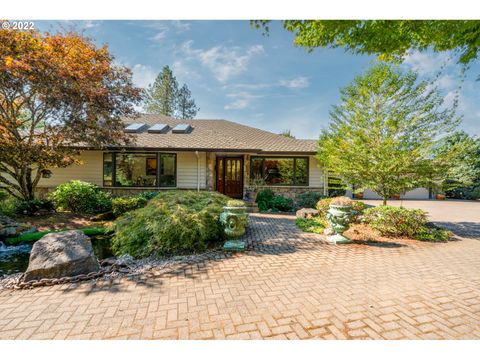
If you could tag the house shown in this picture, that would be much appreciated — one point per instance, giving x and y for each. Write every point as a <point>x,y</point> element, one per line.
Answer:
<point>197,154</point>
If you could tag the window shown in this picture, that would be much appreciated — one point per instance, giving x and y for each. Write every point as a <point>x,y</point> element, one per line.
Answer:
<point>290,171</point>
<point>139,170</point>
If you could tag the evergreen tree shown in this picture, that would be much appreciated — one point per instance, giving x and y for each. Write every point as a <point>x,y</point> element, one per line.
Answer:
<point>186,107</point>
<point>162,94</point>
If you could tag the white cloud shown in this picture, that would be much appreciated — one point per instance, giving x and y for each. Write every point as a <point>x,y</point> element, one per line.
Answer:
<point>88,24</point>
<point>296,83</point>
<point>427,64</point>
<point>224,62</point>
<point>183,71</point>
<point>180,26</point>
<point>143,75</point>
<point>241,100</point>
<point>159,36</point>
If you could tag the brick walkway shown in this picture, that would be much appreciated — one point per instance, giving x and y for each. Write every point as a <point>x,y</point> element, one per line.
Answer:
<point>291,285</point>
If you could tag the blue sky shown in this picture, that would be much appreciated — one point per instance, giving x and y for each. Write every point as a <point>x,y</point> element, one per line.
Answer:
<point>237,74</point>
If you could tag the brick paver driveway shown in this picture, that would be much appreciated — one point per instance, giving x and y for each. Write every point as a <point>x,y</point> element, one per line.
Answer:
<point>290,285</point>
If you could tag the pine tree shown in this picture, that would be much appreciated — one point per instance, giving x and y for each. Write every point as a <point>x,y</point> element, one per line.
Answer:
<point>162,94</point>
<point>186,107</point>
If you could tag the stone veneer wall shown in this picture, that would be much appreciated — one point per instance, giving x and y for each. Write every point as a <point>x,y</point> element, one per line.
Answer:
<point>287,191</point>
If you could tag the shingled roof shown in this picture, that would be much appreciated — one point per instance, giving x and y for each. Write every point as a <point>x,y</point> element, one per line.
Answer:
<point>215,135</point>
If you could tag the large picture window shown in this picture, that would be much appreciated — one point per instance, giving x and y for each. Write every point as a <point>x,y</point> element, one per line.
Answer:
<point>289,171</point>
<point>139,169</point>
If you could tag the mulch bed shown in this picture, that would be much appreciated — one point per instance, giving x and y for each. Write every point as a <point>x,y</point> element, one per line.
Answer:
<point>58,221</point>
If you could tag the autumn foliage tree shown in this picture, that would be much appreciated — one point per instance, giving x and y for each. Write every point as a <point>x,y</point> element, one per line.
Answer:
<point>57,91</point>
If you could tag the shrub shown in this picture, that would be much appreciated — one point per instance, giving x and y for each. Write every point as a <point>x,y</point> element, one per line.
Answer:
<point>281,203</point>
<point>121,205</point>
<point>313,225</point>
<point>82,197</point>
<point>396,221</point>
<point>149,195</point>
<point>4,195</point>
<point>307,200</point>
<point>30,207</point>
<point>236,203</point>
<point>173,222</point>
<point>8,204</point>
<point>322,206</point>
<point>433,234</point>
<point>264,198</point>
<point>341,201</point>
<point>268,201</point>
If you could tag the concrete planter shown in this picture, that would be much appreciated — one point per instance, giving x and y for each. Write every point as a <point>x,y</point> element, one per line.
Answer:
<point>339,217</point>
<point>234,220</point>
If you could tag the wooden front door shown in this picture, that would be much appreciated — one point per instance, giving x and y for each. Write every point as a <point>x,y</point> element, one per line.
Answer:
<point>230,176</point>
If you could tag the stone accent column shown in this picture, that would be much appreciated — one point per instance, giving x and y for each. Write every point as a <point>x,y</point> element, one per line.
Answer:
<point>210,171</point>
<point>246,173</point>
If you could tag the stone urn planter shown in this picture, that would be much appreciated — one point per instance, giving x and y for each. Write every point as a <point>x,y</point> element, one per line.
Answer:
<point>339,216</point>
<point>234,219</point>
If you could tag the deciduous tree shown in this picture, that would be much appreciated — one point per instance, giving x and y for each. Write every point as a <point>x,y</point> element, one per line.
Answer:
<point>56,91</point>
<point>382,135</point>
<point>389,39</point>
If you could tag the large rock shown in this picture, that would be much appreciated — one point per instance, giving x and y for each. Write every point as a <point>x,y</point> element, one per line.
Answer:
<point>307,213</point>
<point>11,228</point>
<point>66,253</point>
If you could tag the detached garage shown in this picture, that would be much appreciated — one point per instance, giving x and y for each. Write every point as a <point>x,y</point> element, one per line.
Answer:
<point>415,194</point>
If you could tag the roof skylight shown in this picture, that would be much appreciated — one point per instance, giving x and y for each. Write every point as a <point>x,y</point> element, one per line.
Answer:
<point>134,128</point>
<point>182,129</point>
<point>158,128</point>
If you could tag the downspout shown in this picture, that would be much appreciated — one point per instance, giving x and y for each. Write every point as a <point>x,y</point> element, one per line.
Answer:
<point>198,170</point>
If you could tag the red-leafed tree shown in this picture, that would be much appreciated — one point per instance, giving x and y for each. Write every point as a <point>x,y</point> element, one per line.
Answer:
<point>56,91</point>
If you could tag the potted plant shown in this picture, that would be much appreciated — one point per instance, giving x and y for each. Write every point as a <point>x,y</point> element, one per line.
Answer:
<point>440,196</point>
<point>234,219</point>
<point>396,197</point>
<point>339,216</point>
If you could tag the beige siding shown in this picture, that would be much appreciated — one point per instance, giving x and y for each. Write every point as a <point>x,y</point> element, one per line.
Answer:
<point>187,170</point>
<point>315,173</point>
<point>90,171</point>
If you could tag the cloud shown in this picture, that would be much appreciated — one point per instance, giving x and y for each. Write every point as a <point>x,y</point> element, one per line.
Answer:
<point>143,75</point>
<point>88,24</point>
<point>427,64</point>
<point>180,26</point>
<point>183,71</point>
<point>296,83</point>
<point>159,36</point>
<point>241,100</point>
<point>224,62</point>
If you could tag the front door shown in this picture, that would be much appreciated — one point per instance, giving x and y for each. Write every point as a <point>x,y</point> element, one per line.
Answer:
<point>230,176</point>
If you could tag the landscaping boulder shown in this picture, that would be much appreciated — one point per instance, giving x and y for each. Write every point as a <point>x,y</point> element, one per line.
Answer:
<point>307,213</point>
<point>11,228</point>
<point>66,253</point>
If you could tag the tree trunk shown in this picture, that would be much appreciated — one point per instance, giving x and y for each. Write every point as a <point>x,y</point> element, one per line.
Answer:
<point>384,201</point>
